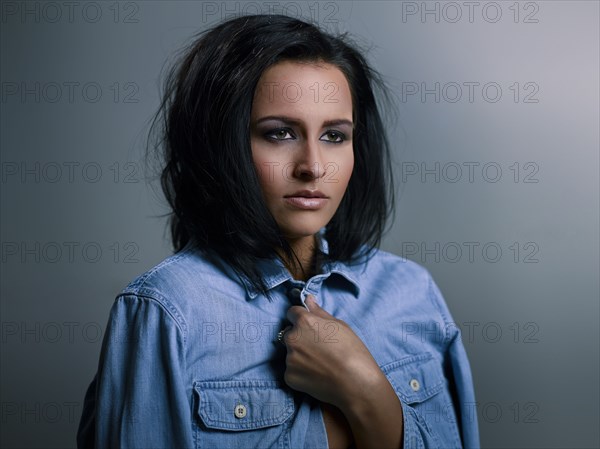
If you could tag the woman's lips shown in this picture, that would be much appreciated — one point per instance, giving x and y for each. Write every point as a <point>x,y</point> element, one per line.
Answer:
<point>302,202</point>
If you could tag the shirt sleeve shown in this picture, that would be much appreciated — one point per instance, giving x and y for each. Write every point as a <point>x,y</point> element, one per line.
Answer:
<point>417,432</point>
<point>138,398</point>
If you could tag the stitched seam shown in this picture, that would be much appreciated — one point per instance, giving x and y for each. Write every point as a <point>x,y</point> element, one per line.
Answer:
<point>167,307</point>
<point>139,283</point>
<point>427,393</point>
<point>203,389</point>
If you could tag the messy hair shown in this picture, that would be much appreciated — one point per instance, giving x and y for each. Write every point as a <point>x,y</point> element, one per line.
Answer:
<point>207,172</point>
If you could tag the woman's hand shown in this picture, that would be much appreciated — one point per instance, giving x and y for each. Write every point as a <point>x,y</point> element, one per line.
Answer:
<point>326,359</point>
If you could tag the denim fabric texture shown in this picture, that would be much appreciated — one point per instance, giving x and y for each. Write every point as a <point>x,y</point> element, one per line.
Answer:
<point>190,357</point>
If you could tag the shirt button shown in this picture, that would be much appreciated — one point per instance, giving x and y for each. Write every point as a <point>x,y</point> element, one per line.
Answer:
<point>295,293</point>
<point>240,411</point>
<point>415,385</point>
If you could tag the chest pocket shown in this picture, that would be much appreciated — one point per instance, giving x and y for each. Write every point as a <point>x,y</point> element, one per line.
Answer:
<point>244,413</point>
<point>419,382</point>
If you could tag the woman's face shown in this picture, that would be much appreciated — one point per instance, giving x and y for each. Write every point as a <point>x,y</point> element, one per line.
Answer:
<point>301,138</point>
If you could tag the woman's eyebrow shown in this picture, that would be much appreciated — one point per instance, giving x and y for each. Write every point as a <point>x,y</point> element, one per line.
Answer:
<point>291,121</point>
<point>338,122</point>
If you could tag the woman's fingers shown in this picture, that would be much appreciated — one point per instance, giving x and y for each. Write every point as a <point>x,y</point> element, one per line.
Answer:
<point>315,308</point>
<point>315,321</point>
<point>285,331</point>
<point>313,364</point>
<point>294,313</point>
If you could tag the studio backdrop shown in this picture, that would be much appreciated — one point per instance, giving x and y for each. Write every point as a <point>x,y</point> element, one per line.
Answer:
<point>495,147</point>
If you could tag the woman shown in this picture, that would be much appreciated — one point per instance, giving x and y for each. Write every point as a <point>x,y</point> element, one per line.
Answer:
<point>278,322</point>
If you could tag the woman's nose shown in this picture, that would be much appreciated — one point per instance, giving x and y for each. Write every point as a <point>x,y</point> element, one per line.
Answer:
<point>309,164</point>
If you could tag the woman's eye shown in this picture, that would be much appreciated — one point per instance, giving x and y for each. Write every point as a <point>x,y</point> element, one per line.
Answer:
<point>280,134</point>
<point>334,137</point>
<point>287,134</point>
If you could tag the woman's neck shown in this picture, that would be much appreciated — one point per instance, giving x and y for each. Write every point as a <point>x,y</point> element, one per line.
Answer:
<point>305,249</point>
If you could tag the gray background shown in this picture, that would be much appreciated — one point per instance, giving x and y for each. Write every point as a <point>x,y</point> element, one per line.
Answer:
<point>529,315</point>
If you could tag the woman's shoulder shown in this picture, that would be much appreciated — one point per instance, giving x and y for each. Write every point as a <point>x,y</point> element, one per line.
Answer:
<point>177,276</point>
<point>386,270</point>
<point>412,279</point>
<point>165,296</point>
<point>397,268</point>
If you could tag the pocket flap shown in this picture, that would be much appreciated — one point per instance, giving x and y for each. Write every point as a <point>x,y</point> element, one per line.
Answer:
<point>415,378</point>
<point>243,404</point>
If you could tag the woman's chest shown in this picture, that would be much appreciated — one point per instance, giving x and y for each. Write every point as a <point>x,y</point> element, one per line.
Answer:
<point>236,369</point>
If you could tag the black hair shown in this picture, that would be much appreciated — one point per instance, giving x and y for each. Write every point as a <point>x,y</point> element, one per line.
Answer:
<point>207,172</point>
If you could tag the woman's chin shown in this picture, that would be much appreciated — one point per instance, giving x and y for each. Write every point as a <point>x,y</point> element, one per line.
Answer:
<point>299,232</point>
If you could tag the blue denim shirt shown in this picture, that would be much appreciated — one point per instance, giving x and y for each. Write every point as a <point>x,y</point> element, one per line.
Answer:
<point>190,357</point>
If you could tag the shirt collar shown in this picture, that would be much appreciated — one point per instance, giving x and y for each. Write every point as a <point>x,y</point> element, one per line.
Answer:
<point>275,273</point>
